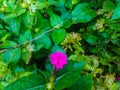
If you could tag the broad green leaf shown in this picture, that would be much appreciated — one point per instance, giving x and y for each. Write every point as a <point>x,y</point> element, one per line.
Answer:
<point>114,86</point>
<point>67,18</point>
<point>41,22</point>
<point>92,39</point>
<point>3,84</point>
<point>17,12</point>
<point>26,36</point>
<point>58,35</point>
<point>108,5</point>
<point>8,44</point>
<point>14,25</point>
<point>43,41</point>
<point>10,6</point>
<point>84,83</point>
<point>55,20</point>
<point>69,4</point>
<point>32,82</point>
<point>83,13</point>
<point>116,14</point>
<point>69,75</point>
<point>28,20</point>
<point>12,55</point>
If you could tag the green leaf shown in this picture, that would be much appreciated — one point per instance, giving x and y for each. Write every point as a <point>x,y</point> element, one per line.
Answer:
<point>114,86</point>
<point>32,82</point>
<point>28,20</point>
<point>57,48</point>
<point>12,55</point>
<point>43,41</point>
<point>84,83</point>
<point>56,20</point>
<point>1,27</point>
<point>118,2</point>
<point>58,35</point>
<point>115,26</point>
<point>116,14</point>
<point>116,50</point>
<point>67,17</point>
<point>17,12</point>
<point>69,4</point>
<point>26,55</point>
<point>92,39</point>
<point>69,75</point>
<point>8,44</point>
<point>26,36</point>
<point>3,35</point>
<point>41,22</point>
<point>108,5</point>
<point>41,5</point>
<point>14,25</point>
<point>83,13</point>
<point>10,6</point>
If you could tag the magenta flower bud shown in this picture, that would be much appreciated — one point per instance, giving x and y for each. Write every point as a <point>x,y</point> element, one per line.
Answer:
<point>58,59</point>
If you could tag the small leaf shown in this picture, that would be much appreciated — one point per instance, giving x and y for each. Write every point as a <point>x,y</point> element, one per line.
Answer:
<point>26,55</point>
<point>58,35</point>
<point>116,14</point>
<point>66,16</point>
<point>26,36</point>
<point>83,13</point>
<point>108,5</point>
<point>56,20</point>
<point>43,41</point>
<point>10,6</point>
<point>12,55</point>
<point>14,25</point>
<point>41,22</point>
<point>92,39</point>
<point>28,20</point>
<point>17,12</point>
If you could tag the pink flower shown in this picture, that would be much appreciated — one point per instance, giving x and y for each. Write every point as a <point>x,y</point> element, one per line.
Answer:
<point>58,59</point>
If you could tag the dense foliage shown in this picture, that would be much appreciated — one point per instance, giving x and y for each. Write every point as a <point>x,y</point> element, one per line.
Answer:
<point>88,31</point>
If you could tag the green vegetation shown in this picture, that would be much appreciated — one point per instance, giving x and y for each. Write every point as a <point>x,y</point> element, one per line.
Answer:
<point>88,31</point>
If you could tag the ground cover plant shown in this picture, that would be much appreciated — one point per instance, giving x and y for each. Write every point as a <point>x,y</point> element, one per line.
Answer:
<point>59,44</point>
